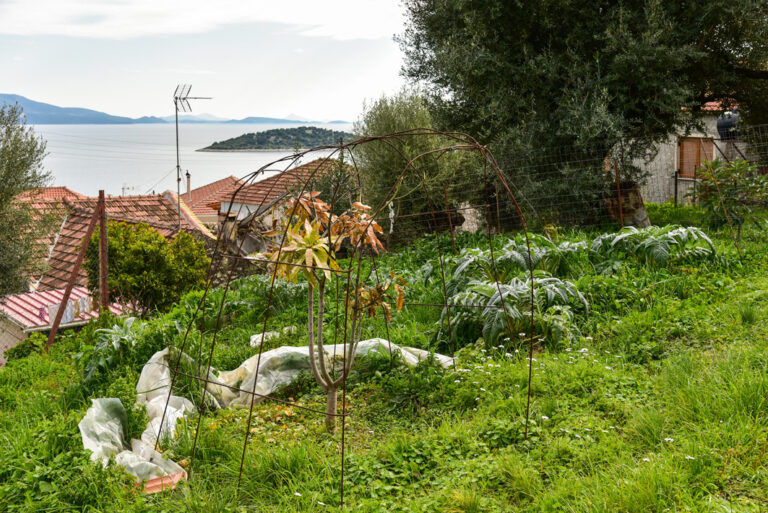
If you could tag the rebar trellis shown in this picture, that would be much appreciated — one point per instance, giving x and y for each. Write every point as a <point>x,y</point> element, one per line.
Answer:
<point>458,142</point>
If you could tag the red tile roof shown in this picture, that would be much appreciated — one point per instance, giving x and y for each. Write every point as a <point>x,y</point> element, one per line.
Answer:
<point>30,310</point>
<point>49,194</point>
<point>265,192</point>
<point>202,196</point>
<point>156,210</point>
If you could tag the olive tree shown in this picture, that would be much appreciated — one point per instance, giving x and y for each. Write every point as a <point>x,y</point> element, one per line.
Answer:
<point>23,230</point>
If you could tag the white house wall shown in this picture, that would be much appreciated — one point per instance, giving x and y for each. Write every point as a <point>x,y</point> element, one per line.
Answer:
<point>660,184</point>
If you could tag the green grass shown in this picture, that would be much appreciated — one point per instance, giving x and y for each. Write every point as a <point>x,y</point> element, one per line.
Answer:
<point>659,404</point>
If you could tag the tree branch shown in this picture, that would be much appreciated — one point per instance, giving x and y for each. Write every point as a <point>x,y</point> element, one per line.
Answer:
<point>320,315</point>
<point>311,334</point>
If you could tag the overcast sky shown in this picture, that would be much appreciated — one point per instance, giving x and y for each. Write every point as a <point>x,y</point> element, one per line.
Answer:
<point>317,59</point>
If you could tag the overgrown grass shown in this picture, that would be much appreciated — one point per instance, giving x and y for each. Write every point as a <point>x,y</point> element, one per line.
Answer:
<point>659,404</point>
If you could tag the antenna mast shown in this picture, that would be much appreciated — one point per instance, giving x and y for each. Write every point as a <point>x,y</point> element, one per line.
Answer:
<point>181,103</point>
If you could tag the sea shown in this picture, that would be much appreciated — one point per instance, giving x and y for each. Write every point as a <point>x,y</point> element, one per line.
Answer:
<point>141,158</point>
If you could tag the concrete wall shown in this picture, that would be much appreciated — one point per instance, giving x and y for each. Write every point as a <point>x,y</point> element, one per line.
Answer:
<point>660,184</point>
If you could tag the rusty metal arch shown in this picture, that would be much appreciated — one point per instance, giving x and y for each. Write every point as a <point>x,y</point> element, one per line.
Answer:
<point>458,141</point>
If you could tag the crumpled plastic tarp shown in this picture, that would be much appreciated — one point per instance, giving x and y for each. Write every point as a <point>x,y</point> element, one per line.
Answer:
<point>256,340</point>
<point>102,428</point>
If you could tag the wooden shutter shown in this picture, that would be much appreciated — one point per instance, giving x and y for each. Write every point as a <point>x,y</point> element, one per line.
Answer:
<point>692,151</point>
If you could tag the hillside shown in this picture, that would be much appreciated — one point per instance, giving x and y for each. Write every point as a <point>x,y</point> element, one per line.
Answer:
<point>39,113</point>
<point>654,401</point>
<point>281,139</point>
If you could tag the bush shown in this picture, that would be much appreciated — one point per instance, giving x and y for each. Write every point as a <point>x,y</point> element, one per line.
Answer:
<point>730,193</point>
<point>147,271</point>
<point>32,344</point>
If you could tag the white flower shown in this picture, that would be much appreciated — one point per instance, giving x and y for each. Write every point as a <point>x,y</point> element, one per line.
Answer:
<point>544,417</point>
<point>567,349</point>
<point>646,459</point>
<point>482,389</point>
<point>321,503</point>
<point>583,350</point>
<point>477,398</point>
<point>297,494</point>
<point>690,458</point>
<point>587,429</point>
<point>669,439</point>
<point>609,368</point>
<point>456,381</point>
<point>587,338</point>
<point>521,334</point>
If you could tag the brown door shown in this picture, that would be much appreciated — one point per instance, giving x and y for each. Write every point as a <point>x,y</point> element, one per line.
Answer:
<point>692,152</point>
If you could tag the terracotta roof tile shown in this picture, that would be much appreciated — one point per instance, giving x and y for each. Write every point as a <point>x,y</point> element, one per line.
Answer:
<point>157,210</point>
<point>49,194</point>
<point>265,192</point>
<point>202,196</point>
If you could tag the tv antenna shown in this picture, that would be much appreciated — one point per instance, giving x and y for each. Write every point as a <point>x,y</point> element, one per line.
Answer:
<point>181,99</point>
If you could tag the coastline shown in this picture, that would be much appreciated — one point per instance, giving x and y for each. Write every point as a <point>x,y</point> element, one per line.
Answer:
<point>253,150</point>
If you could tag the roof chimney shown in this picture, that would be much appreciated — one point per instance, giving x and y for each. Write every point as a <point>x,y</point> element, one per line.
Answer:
<point>189,187</point>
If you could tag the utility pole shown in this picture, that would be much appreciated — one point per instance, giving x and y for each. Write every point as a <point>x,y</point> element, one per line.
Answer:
<point>181,103</point>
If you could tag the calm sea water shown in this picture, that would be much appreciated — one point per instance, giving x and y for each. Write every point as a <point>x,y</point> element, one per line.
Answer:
<point>139,159</point>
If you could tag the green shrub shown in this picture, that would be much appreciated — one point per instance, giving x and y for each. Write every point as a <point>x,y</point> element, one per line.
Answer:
<point>34,343</point>
<point>146,271</point>
<point>731,193</point>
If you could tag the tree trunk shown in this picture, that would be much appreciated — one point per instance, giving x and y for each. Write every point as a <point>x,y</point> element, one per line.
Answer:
<point>330,410</point>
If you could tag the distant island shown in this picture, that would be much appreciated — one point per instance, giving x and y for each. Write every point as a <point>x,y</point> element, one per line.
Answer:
<point>39,113</point>
<point>281,139</point>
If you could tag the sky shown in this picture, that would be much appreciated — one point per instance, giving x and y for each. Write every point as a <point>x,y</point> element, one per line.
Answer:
<point>315,59</point>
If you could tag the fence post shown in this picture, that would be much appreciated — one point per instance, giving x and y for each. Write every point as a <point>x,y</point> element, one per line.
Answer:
<point>677,178</point>
<point>618,192</point>
<point>101,208</point>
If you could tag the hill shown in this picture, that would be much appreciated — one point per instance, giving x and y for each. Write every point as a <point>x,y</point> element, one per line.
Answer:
<point>661,391</point>
<point>281,139</point>
<point>39,113</point>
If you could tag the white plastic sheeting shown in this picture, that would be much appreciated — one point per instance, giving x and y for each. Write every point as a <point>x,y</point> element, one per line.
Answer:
<point>279,367</point>
<point>102,428</point>
<point>259,338</point>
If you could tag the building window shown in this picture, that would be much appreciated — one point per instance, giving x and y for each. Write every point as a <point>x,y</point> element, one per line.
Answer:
<point>692,151</point>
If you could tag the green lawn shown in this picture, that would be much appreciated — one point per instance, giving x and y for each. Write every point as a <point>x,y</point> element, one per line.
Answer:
<point>658,401</point>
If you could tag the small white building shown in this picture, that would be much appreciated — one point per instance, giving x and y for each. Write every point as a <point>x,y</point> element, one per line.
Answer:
<point>672,172</point>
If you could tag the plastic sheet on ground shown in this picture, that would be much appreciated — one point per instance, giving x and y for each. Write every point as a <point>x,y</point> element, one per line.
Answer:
<point>102,428</point>
<point>259,338</point>
<point>103,433</point>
